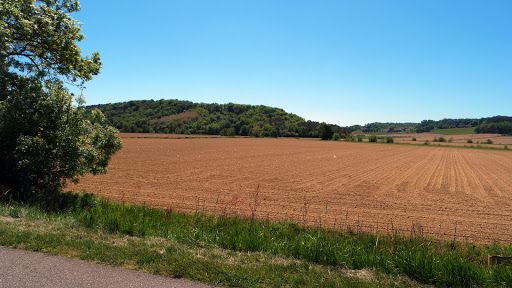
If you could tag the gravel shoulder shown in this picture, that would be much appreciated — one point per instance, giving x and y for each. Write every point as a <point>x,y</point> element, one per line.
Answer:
<point>20,268</point>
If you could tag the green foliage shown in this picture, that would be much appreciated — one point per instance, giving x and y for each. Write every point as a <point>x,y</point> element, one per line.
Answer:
<point>360,138</point>
<point>440,263</point>
<point>497,124</point>
<point>372,138</point>
<point>470,141</point>
<point>184,117</point>
<point>439,139</point>
<point>378,127</point>
<point>389,139</point>
<point>40,38</point>
<point>46,139</point>
<point>325,131</point>
<point>62,234</point>
<point>430,125</point>
<point>336,136</point>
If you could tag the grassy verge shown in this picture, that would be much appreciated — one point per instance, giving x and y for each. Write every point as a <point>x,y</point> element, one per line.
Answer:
<point>64,234</point>
<point>255,253</point>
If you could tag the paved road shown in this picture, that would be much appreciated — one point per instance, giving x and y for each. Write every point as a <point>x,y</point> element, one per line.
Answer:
<point>29,269</point>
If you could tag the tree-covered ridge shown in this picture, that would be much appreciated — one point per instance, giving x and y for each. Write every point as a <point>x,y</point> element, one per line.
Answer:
<point>496,124</point>
<point>379,127</point>
<point>185,117</point>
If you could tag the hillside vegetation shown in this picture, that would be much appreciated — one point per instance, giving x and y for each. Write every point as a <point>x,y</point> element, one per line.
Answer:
<point>496,124</point>
<point>185,117</point>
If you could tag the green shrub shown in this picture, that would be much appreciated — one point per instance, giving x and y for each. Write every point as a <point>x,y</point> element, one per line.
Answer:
<point>360,138</point>
<point>372,138</point>
<point>325,131</point>
<point>46,137</point>
<point>390,139</point>
<point>469,141</point>
<point>336,137</point>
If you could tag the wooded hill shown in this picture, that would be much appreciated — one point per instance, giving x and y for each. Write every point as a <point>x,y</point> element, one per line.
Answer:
<point>185,117</point>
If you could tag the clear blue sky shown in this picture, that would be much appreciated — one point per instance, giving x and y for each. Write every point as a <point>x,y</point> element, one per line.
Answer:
<point>343,62</point>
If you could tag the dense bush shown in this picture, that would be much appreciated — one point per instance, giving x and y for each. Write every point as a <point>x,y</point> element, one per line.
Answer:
<point>336,137</point>
<point>504,127</point>
<point>46,139</point>
<point>372,138</point>
<point>390,139</point>
<point>325,131</point>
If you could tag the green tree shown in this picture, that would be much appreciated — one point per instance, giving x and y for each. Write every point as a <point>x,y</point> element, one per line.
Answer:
<point>325,131</point>
<point>47,137</point>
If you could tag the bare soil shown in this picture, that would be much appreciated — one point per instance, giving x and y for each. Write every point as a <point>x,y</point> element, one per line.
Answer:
<point>443,192</point>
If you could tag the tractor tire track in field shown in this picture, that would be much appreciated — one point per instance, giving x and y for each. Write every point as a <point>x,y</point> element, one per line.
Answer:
<point>372,187</point>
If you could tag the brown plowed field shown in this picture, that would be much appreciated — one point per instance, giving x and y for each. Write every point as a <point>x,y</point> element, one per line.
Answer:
<point>445,192</point>
<point>457,140</point>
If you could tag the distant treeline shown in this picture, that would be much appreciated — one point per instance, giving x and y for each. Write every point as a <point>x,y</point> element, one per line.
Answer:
<point>379,127</point>
<point>496,124</point>
<point>185,117</point>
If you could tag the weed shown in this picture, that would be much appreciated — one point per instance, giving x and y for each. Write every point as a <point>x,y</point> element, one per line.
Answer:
<point>425,260</point>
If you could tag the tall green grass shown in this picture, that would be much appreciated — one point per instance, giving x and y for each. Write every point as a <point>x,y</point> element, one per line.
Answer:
<point>439,263</point>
